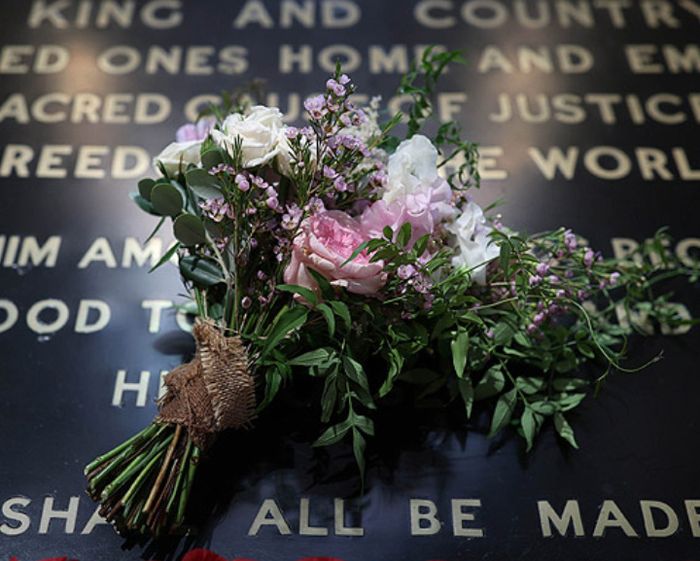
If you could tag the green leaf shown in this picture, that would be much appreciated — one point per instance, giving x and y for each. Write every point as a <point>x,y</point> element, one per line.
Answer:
<point>155,230</point>
<point>466,390</point>
<point>460,346</point>
<point>201,271</point>
<point>323,283</point>
<point>420,246</point>
<point>503,412</point>
<point>585,349</point>
<point>505,256</point>
<point>445,322</point>
<point>342,311</point>
<point>273,380</point>
<point>166,199</point>
<point>145,188</point>
<point>491,384</point>
<point>564,429</point>
<point>502,333</point>
<point>166,256</point>
<point>404,235</point>
<point>189,230</point>
<point>522,339</point>
<point>333,434</point>
<point>217,229</point>
<point>546,408</point>
<point>359,249</point>
<point>530,385</point>
<point>355,372</point>
<point>203,184</point>
<point>327,312</point>
<point>527,423</point>
<point>211,158</point>
<point>358,448</point>
<point>569,384</point>
<point>284,324</point>
<point>396,362</point>
<point>302,291</point>
<point>315,357</point>
<point>365,424</point>
<point>143,204</point>
<point>329,396</point>
<point>388,233</point>
<point>571,401</point>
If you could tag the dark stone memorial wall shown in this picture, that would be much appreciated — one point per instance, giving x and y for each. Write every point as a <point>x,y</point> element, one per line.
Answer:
<point>588,115</point>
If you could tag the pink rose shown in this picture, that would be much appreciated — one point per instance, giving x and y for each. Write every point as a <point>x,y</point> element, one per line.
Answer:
<point>325,242</point>
<point>424,208</point>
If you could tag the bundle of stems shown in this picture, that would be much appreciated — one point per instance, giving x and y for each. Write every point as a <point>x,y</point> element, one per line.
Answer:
<point>144,483</point>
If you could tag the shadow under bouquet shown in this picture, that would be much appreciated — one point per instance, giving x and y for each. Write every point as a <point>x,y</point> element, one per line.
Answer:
<point>340,249</point>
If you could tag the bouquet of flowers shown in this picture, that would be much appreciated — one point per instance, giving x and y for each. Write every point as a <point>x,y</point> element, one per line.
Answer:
<point>346,253</point>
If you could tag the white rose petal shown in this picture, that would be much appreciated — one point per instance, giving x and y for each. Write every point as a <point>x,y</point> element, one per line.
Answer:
<point>472,243</point>
<point>178,154</point>
<point>412,165</point>
<point>259,133</point>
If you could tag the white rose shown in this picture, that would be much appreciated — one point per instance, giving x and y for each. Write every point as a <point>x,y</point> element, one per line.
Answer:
<point>472,243</point>
<point>413,165</point>
<point>177,155</point>
<point>412,171</point>
<point>259,133</point>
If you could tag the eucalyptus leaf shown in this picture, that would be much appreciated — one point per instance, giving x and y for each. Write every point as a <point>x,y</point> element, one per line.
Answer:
<point>189,230</point>
<point>166,199</point>
<point>143,204</point>
<point>200,271</point>
<point>211,158</point>
<point>145,188</point>
<point>203,184</point>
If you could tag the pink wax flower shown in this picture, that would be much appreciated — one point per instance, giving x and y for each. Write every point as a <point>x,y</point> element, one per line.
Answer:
<point>195,131</point>
<point>325,242</point>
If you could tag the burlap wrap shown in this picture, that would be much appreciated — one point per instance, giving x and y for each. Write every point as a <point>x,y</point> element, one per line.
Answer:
<point>213,392</point>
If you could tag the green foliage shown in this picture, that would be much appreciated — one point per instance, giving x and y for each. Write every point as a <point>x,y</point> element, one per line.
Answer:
<point>434,333</point>
<point>166,199</point>
<point>420,83</point>
<point>189,230</point>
